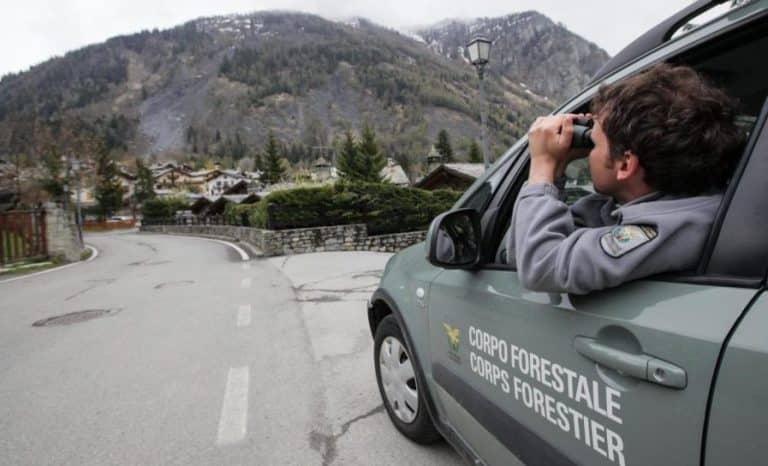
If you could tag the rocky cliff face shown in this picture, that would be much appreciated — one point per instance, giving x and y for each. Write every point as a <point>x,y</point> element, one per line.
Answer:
<point>220,85</point>
<point>528,48</point>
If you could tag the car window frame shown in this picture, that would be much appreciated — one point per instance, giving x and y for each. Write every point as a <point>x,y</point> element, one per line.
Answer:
<point>670,51</point>
<point>734,212</point>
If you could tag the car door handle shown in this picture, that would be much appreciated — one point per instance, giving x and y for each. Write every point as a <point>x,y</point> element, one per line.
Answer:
<point>641,366</point>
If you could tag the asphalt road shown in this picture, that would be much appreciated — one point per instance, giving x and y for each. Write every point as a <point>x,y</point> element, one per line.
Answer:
<point>186,354</point>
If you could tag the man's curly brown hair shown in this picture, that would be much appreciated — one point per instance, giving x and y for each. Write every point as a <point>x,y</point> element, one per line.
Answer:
<point>680,127</point>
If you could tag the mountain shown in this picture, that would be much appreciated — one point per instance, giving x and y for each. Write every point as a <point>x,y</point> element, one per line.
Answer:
<point>528,48</point>
<point>217,86</point>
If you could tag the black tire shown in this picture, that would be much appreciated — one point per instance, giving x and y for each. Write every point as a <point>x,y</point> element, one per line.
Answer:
<point>420,429</point>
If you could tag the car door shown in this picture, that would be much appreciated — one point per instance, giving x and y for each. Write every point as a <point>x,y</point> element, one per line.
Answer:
<point>616,377</point>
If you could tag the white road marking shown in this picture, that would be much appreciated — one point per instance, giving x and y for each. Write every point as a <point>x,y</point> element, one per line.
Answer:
<point>243,255</point>
<point>246,265</point>
<point>246,282</point>
<point>234,411</point>
<point>95,252</point>
<point>244,315</point>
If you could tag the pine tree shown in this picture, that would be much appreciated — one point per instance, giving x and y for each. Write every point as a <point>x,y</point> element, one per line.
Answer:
<point>371,160</point>
<point>475,156</point>
<point>109,192</point>
<point>443,146</point>
<point>273,169</point>
<point>348,160</point>
<point>145,185</point>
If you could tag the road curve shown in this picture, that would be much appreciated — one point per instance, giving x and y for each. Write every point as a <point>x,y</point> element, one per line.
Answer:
<point>200,358</point>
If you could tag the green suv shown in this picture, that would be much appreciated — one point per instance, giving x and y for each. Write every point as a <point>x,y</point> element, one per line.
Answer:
<point>668,370</point>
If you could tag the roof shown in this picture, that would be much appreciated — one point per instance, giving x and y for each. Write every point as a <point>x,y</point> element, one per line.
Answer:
<point>229,173</point>
<point>321,162</point>
<point>237,173</point>
<point>240,187</point>
<point>242,198</point>
<point>202,172</point>
<point>475,170</point>
<point>394,173</point>
<point>467,172</point>
<point>165,171</point>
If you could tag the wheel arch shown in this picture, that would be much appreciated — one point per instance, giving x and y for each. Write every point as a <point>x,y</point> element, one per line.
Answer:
<point>380,306</point>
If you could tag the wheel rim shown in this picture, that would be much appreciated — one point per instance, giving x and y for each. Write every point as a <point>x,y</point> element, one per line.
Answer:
<point>398,379</point>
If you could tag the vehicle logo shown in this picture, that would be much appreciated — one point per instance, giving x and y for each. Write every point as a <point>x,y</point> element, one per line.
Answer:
<point>454,339</point>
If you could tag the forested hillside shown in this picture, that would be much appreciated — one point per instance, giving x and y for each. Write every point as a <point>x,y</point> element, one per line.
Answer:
<point>215,87</point>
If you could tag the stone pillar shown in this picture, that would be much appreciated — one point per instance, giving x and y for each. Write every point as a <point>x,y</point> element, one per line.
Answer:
<point>61,233</point>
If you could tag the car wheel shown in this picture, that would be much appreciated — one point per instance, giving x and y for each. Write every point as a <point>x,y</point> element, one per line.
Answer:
<point>399,384</point>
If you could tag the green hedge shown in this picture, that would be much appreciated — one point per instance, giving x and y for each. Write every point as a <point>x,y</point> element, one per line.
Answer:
<point>384,208</point>
<point>165,208</point>
<point>241,214</point>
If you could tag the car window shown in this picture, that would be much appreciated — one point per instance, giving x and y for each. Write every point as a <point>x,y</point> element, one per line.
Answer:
<point>578,182</point>
<point>481,194</point>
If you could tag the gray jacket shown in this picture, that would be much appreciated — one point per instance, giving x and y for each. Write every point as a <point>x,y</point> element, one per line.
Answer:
<point>597,244</point>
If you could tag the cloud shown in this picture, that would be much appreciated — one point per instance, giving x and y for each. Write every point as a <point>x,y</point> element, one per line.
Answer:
<point>35,30</point>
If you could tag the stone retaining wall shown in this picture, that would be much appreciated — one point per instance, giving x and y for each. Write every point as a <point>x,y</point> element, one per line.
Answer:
<point>300,240</point>
<point>61,233</point>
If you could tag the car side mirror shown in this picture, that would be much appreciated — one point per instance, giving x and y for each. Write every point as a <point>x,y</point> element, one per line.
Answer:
<point>453,240</point>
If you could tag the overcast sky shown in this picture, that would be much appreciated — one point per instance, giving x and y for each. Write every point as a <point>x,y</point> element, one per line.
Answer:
<point>34,30</point>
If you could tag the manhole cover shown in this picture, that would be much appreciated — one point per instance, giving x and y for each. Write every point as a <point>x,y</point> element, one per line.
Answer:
<point>75,317</point>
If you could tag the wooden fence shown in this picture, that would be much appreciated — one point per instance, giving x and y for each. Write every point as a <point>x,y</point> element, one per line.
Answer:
<point>22,236</point>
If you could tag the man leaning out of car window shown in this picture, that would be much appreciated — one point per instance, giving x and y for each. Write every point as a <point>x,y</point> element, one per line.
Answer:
<point>665,144</point>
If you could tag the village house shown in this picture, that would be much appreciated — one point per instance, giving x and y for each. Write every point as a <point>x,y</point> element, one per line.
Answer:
<point>220,181</point>
<point>127,182</point>
<point>456,176</point>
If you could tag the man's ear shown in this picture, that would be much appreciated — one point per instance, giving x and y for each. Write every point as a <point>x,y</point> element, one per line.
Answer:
<point>628,166</point>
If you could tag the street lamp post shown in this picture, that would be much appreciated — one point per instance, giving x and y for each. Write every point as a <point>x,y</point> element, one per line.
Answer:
<point>79,216</point>
<point>65,161</point>
<point>479,52</point>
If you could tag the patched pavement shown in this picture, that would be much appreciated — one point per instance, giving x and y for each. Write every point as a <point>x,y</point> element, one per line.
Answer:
<point>332,288</point>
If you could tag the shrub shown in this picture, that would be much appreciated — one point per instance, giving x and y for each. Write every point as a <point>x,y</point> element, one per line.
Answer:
<point>384,208</point>
<point>240,214</point>
<point>162,208</point>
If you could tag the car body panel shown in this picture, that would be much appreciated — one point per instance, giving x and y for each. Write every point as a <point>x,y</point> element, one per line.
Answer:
<point>738,421</point>
<point>649,317</point>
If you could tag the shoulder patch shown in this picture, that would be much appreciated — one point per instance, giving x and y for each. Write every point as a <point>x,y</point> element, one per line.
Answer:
<point>624,238</point>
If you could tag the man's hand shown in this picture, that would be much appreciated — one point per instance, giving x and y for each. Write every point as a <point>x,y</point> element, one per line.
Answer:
<point>549,141</point>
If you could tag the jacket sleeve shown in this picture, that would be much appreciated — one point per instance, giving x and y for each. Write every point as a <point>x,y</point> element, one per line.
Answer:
<point>554,255</point>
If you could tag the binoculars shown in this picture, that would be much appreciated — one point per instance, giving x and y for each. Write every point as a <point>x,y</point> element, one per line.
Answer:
<point>582,134</point>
